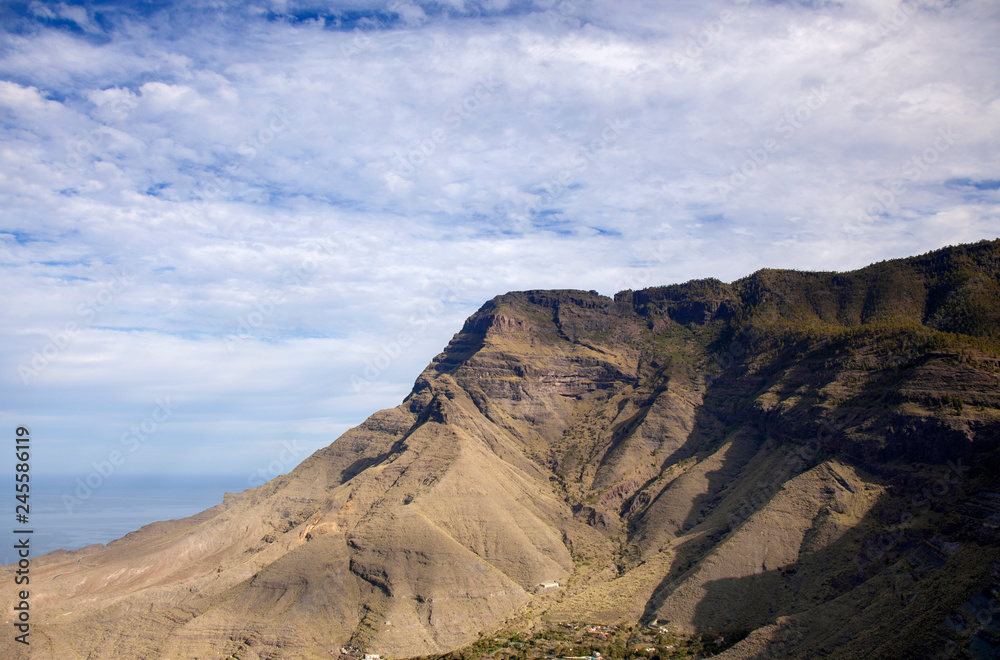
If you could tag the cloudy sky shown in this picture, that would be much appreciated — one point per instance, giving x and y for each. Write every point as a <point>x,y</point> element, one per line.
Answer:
<point>230,228</point>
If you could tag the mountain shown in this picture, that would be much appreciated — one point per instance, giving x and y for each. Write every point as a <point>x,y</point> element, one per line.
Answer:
<point>795,464</point>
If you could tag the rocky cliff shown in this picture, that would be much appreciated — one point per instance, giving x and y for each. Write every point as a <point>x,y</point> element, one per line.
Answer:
<point>803,464</point>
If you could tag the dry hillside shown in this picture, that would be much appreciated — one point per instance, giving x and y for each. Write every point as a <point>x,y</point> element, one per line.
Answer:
<point>794,465</point>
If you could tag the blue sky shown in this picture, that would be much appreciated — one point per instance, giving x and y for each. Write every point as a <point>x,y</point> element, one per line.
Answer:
<point>245,224</point>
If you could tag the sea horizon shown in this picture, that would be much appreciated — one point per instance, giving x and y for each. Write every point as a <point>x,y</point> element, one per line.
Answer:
<point>66,515</point>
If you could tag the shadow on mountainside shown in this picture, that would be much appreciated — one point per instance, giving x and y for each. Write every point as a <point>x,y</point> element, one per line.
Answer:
<point>706,442</point>
<point>691,552</point>
<point>876,576</point>
<point>746,443</point>
<point>816,577</point>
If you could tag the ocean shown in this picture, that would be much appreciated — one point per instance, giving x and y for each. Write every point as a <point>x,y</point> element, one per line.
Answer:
<point>121,504</point>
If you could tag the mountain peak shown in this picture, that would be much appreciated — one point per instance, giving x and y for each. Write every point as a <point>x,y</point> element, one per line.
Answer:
<point>781,456</point>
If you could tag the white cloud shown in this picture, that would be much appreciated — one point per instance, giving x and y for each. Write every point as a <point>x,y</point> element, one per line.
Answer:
<point>467,150</point>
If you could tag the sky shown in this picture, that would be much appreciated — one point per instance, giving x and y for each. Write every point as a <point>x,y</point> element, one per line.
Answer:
<point>230,231</point>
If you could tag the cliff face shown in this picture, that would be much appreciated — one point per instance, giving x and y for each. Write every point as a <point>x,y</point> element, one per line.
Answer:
<point>810,458</point>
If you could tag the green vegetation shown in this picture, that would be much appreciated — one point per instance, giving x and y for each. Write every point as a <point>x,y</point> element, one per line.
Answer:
<point>954,290</point>
<point>581,640</point>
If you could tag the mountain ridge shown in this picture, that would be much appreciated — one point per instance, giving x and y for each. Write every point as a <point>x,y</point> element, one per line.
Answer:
<point>662,455</point>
